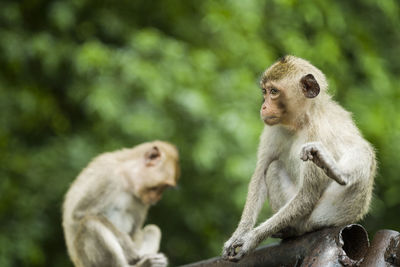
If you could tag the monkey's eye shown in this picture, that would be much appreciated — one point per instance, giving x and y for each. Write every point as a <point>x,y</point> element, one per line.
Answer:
<point>263,91</point>
<point>274,91</point>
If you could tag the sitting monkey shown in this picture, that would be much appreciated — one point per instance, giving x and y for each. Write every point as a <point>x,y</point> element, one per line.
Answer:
<point>314,166</point>
<point>106,206</point>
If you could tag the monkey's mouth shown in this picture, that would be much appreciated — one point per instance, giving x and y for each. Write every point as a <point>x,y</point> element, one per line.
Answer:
<point>270,117</point>
<point>270,120</point>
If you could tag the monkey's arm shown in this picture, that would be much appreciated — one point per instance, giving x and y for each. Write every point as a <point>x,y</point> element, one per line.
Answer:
<point>268,151</point>
<point>321,157</point>
<point>99,242</point>
<point>103,189</point>
<point>300,205</point>
<point>256,196</point>
<point>257,193</point>
<point>147,241</point>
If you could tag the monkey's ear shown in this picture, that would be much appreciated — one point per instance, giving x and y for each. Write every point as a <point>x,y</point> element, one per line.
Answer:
<point>152,156</point>
<point>310,86</point>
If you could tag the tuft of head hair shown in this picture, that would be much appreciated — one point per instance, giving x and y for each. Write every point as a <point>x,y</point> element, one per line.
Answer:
<point>292,67</point>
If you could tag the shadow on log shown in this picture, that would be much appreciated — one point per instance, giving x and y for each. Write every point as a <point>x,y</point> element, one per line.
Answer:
<point>339,246</point>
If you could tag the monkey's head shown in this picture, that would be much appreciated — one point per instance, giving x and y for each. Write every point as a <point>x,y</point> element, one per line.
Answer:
<point>288,87</point>
<point>153,168</point>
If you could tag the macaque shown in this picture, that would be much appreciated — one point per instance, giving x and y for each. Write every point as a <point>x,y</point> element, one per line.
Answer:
<point>106,206</point>
<point>313,165</point>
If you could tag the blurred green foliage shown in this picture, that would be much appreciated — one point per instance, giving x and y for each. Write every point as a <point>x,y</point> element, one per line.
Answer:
<point>81,77</point>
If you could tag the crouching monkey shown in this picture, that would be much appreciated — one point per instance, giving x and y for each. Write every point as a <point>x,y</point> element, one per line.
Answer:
<point>105,208</point>
<point>313,165</point>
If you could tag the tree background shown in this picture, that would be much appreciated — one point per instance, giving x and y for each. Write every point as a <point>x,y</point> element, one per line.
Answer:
<point>81,77</point>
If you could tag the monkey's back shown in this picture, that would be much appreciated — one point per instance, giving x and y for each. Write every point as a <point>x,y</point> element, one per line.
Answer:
<point>82,187</point>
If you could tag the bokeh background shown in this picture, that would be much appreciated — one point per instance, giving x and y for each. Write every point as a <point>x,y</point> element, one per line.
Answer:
<point>80,77</point>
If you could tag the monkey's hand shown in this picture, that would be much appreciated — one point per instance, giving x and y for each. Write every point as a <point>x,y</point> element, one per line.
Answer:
<point>228,244</point>
<point>153,260</point>
<point>227,247</point>
<point>317,153</point>
<point>236,249</point>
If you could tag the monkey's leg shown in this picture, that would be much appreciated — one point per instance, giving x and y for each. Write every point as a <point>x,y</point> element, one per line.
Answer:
<point>256,196</point>
<point>132,254</point>
<point>317,153</point>
<point>147,242</point>
<point>98,245</point>
<point>300,205</point>
<point>150,239</point>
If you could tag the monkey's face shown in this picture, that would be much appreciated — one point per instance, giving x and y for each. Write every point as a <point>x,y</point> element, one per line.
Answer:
<point>273,108</point>
<point>159,171</point>
<point>286,86</point>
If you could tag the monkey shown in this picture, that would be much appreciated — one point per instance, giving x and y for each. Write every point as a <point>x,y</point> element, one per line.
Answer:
<point>313,165</point>
<point>105,207</point>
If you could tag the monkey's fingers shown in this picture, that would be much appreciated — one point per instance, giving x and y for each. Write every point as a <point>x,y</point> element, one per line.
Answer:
<point>231,252</point>
<point>154,260</point>
<point>159,257</point>
<point>306,155</point>
<point>225,253</point>
<point>303,155</point>
<point>159,262</point>
<point>238,256</point>
<point>234,251</point>
<point>228,252</point>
